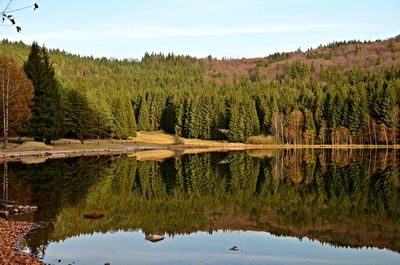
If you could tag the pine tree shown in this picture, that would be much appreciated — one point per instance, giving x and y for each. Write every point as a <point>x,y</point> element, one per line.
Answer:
<point>143,122</point>
<point>309,126</point>
<point>250,117</point>
<point>353,119</point>
<point>124,117</point>
<point>194,116</point>
<point>205,108</point>
<point>383,114</point>
<point>236,132</point>
<point>169,115</point>
<point>81,115</point>
<point>46,121</point>
<point>104,121</point>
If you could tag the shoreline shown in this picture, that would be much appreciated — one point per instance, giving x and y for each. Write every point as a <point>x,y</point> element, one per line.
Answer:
<point>63,152</point>
<point>10,235</point>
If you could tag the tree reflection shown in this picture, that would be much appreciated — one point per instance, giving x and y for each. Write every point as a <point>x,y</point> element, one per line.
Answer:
<point>343,197</point>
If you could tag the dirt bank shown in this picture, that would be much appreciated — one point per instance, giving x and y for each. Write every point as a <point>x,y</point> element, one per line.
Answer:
<point>146,141</point>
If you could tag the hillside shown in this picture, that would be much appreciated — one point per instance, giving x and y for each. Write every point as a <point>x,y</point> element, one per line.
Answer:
<point>344,55</point>
<point>340,93</point>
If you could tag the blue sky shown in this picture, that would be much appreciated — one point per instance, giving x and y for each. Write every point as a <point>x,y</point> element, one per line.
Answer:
<point>222,28</point>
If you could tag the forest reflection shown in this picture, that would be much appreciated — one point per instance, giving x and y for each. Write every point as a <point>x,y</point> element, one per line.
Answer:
<point>341,197</point>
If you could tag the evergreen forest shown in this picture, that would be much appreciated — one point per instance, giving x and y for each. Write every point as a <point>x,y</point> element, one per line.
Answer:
<point>340,93</point>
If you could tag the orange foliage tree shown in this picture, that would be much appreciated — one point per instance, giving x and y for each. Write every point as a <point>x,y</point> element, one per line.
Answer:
<point>16,92</point>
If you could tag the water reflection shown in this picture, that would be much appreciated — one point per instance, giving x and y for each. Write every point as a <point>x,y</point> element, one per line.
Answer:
<point>256,248</point>
<point>341,197</point>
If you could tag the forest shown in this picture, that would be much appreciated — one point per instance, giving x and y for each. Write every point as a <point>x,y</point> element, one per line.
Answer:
<point>340,93</point>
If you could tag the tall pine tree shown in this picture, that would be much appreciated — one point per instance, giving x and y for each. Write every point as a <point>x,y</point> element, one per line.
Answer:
<point>46,120</point>
<point>143,122</point>
<point>81,115</point>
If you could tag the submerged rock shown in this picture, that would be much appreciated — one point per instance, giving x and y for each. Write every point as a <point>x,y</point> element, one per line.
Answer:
<point>154,238</point>
<point>93,216</point>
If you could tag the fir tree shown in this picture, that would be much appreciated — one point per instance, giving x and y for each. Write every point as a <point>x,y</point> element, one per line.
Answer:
<point>124,117</point>
<point>81,115</point>
<point>383,113</point>
<point>143,122</point>
<point>353,105</point>
<point>46,121</point>
<point>168,116</point>
<point>309,126</point>
<point>236,132</point>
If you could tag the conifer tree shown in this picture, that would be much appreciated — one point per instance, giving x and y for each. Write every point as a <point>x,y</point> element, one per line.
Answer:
<point>383,108</point>
<point>46,121</point>
<point>81,115</point>
<point>124,117</point>
<point>168,116</point>
<point>249,113</point>
<point>309,126</point>
<point>353,106</point>
<point>236,132</point>
<point>205,106</point>
<point>143,122</point>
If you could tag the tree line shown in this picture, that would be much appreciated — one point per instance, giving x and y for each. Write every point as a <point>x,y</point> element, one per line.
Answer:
<point>84,97</point>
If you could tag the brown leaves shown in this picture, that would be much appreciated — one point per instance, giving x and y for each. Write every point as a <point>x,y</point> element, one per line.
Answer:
<point>10,233</point>
<point>20,91</point>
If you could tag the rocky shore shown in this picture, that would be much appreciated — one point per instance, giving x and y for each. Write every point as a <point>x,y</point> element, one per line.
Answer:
<point>10,234</point>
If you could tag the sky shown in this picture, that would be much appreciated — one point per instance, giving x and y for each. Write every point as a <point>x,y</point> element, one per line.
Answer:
<point>221,28</point>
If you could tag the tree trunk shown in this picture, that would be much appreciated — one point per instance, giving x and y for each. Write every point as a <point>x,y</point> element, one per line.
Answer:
<point>81,138</point>
<point>5,93</point>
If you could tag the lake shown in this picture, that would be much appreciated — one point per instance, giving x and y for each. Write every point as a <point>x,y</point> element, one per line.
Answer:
<point>295,206</point>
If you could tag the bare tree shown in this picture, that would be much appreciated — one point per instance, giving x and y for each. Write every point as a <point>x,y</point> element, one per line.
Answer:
<point>9,8</point>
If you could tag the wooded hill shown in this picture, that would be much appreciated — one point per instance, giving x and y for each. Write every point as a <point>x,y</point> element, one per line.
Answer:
<point>340,93</point>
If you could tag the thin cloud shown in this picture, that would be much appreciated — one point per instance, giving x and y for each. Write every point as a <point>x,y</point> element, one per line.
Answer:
<point>147,32</point>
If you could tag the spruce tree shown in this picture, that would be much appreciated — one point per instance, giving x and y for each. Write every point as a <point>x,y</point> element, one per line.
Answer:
<point>383,114</point>
<point>250,117</point>
<point>353,105</point>
<point>143,122</point>
<point>124,117</point>
<point>81,115</point>
<point>168,116</point>
<point>46,120</point>
<point>236,132</point>
<point>205,108</point>
<point>309,126</point>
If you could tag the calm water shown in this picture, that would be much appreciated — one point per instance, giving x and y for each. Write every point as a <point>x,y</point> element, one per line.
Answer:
<point>276,207</point>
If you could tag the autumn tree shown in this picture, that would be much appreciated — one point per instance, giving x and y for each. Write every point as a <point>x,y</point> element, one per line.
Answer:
<point>16,95</point>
